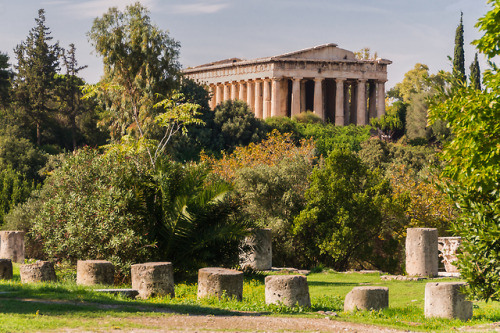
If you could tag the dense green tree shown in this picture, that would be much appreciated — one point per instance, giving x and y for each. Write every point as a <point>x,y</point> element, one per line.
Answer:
<point>235,125</point>
<point>472,158</point>
<point>141,68</point>
<point>459,53</point>
<point>69,93</point>
<point>5,77</point>
<point>33,85</point>
<point>475,74</point>
<point>14,189</point>
<point>273,195</point>
<point>343,215</point>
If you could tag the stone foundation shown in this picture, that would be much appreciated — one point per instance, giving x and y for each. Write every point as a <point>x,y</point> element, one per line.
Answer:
<point>367,298</point>
<point>289,290</point>
<point>422,252</point>
<point>5,269</point>
<point>444,300</point>
<point>259,255</point>
<point>41,271</point>
<point>12,245</point>
<point>215,282</point>
<point>153,279</point>
<point>92,272</point>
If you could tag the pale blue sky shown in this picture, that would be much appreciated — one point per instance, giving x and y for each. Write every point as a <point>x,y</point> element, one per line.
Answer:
<point>404,31</point>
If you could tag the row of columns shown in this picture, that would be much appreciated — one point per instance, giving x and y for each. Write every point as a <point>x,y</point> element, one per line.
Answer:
<point>267,98</point>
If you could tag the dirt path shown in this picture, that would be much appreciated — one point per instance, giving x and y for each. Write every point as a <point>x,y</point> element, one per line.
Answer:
<point>208,324</point>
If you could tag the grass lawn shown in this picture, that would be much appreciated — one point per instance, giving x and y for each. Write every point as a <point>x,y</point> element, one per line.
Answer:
<point>44,306</point>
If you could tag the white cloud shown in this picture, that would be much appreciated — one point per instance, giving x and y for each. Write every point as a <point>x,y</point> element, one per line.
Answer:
<point>94,8</point>
<point>200,7</point>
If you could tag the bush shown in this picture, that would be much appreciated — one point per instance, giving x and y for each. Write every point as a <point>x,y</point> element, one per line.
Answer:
<point>96,207</point>
<point>343,215</point>
<point>273,196</point>
<point>14,189</point>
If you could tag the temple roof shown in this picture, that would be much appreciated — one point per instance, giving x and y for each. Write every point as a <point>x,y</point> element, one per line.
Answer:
<point>325,52</point>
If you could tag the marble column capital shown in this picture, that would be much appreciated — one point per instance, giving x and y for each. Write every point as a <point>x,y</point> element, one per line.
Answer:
<point>318,79</point>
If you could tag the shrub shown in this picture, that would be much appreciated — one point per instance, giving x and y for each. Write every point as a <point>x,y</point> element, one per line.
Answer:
<point>343,214</point>
<point>96,207</point>
<point>273,196</point>
<point>14,189</point>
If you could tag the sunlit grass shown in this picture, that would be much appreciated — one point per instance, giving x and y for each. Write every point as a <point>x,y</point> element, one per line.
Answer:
<point>24,307</point>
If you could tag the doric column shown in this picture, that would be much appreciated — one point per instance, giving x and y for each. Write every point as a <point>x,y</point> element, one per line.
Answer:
<point>219,93</point>
<point>372,97</point>
<point>296,96</point>
<point>361,103</point>
<point>242,96</point>
<point>380,98</point>
<point>213,93</point>
<point>339,102</point>
<point>234,90</point>
<point>227,91</point>
<point>318,98</point>
<point>303,96</point>
<point>267,98</point>
<point>251,95</point>
<point>275,97</point>
<point>347,102</point>
<point>258,106</point>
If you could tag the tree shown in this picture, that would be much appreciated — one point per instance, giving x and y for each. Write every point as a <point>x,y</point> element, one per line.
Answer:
<point>141,68</point>
<point>343,213</point>
<point>69,93</point>
<point>475,74</point>
<point>459,54</point>
<point>364,54</point>
<point>472,158</point>
<point>5,77</point>
<point>37,63</point>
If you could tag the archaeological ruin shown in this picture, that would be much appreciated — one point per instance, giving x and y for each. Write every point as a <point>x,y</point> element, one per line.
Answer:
<point>325,79</point>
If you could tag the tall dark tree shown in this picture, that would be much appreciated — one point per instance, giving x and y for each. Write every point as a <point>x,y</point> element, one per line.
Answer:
<point>459,54</point>
<point>37,63</point>
<point>5,76</point>
<point>69,93</point>
<point>475,74</point>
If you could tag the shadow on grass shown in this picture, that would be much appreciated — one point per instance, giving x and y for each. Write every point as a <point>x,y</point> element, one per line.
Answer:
<point>332,284</point>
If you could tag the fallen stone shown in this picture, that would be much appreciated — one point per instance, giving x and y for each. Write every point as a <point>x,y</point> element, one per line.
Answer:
<point>367,298</point>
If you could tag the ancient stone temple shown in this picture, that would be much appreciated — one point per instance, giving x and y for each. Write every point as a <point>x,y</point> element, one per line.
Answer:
<point>325,79</point>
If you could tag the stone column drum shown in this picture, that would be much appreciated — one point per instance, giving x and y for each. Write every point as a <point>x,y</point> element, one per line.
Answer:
<point>288,290</point>
<point>422,252</point>
<point>92,272</point>
<point>41,271</point>
<point>258,252</point>
<point>367,298</point>
<point>153,279</point>
<point>12,245</point>
<point>215,282</point>
<point>444,300</point>
<point>5,269</point>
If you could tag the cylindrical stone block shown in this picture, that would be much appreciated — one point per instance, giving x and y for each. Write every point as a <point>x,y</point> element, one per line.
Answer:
<point>216,282</point>
<point>92,272</point>
<point>5,269</point>
<point>422,255</point>
<point>41,271</point>
<point>257,251</point>
<point>289,290</point>
<point>12,245</point>
<point>367,298</point>
<point>153,279</point>
<point>444,300</point>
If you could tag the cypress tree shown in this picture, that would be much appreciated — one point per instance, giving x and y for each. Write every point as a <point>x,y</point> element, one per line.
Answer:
<point>37,63</point>
<point>475,74</point>
<point>459,55</point>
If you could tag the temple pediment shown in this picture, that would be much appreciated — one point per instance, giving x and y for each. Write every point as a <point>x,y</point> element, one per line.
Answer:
<point>322,52</point>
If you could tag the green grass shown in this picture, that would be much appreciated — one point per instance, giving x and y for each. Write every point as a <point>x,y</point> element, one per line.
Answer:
<point>24,307</point>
